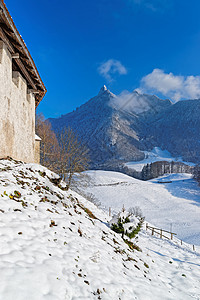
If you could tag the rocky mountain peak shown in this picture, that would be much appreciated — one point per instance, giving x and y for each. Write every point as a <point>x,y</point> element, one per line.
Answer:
<point>103,90</point>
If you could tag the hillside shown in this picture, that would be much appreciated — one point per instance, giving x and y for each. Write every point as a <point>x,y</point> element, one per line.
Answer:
<point>56,245</point>
<point>176,202</point>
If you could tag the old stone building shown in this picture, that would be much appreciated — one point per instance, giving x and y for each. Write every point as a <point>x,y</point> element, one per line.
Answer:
<point>21,90</point>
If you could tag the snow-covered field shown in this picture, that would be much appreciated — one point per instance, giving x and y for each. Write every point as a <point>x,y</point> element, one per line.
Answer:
<point>55,245</point>
<point>152,156</point>
<point>173,205</point>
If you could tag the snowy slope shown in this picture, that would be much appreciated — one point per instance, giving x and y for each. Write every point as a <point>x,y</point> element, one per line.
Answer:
<point>53,248</point>
<point>176,203</point>
<point>156,154</point>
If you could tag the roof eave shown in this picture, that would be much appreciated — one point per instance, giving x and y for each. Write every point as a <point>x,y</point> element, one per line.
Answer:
<point>26,60</point>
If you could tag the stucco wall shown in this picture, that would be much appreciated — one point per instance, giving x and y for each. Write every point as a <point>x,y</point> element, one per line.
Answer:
<point>17,112</point>
<point>37,151</point>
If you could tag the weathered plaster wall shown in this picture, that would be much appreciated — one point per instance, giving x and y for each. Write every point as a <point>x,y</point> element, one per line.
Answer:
<point>37,149</point>
<point>17,112</point>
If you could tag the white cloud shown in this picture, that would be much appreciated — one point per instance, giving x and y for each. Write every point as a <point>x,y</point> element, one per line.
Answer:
<point>175,87</point>
<point>111,67</point>
<point>132,102</point>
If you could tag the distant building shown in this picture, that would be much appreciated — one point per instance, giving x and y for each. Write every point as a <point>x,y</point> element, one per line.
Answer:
<point>21,90</point>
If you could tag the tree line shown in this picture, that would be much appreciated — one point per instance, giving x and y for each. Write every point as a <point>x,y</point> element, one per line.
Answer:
<point>151,170</point>
<point>196,173</point>
<point>61,152</point>
<point>159,168</point>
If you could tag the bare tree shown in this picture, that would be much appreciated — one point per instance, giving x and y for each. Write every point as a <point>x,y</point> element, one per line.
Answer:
<point>73,155</point>
<point>49,149</point>
<point>63,153</point>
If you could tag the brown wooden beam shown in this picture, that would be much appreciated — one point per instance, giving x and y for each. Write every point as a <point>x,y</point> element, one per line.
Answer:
<point>33,91</point>
<point>19,48</point>
<point>27,65</point>
<point>25,72</point>
<point>17,60</point>
<point>23,56</point>
<point>14,42</point>
<point>6,28</point>
<point>15,55</point>
<point>6,41</point>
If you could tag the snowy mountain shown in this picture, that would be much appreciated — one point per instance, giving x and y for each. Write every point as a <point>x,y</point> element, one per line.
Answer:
<point>121,128</point>
<point>113,126</point>
<point>177,129</point>
<point>55,245</point>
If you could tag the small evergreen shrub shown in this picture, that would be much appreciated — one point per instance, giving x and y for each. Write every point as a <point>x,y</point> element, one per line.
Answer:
<point>128,223</point>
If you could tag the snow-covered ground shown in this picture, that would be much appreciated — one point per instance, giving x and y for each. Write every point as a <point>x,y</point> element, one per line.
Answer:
<point>55,245</point>
<point>152,156</point>
<point>173,205</point>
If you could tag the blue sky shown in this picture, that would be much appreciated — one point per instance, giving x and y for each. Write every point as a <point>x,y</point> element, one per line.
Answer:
<point>78,46</point>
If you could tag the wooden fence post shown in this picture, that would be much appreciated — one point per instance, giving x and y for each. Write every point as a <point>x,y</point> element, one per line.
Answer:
<point>161,233</point>
<point>193,248</point>
<point>181,242</point>
<point>109,211</point>
<point>171,236</point>
<point>152,231</point>
<point>146,226</point>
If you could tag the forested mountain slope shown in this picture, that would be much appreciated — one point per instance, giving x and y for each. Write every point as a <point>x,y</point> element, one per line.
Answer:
<point>114,128</point>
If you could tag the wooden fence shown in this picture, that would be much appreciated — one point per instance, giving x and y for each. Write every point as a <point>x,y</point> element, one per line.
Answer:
<point>161,231</point>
